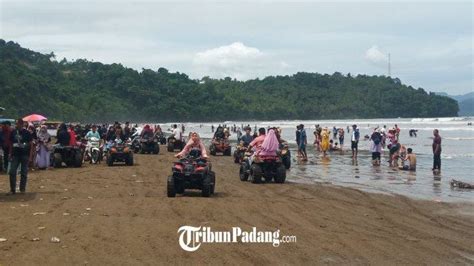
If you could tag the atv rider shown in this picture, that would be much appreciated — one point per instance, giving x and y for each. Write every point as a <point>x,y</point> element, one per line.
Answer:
<point>247,138</point>
<point>93,133</point>
<point>176,134</point>
<point>118,134</point>
<point>270,145</point>
<point>147,132</point>
<point>193,144</point>
<point>257,142</point>
<point>219,134</point>
<point>127,131</point>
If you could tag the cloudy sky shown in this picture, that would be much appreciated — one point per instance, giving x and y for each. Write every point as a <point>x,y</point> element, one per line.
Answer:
<point>430,43</point>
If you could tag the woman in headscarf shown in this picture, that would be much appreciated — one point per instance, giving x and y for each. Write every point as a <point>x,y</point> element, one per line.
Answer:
<point>43,148</point>
<point>34,143</point>
<point>147,132</point>
<point>325,135</point>
<point>270,144</point>
<point>193,143</point>
<point>62,135</point>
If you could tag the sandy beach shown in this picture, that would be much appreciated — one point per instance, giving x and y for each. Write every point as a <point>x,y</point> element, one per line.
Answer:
<point>120,215</point>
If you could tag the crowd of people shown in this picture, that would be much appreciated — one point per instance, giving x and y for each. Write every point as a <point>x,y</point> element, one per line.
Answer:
<point>27,145</point>
<point>380,139</point>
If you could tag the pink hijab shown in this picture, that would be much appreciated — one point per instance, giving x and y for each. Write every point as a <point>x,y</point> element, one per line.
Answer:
<point>270,144</point>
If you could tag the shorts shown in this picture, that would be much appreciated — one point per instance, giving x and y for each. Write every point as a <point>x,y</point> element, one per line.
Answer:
<point>375,156</point>
<point>354,145</point>
<point>394,148</point>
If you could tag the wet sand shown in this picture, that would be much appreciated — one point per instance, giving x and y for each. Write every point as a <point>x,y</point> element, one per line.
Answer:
<point>131,221</point>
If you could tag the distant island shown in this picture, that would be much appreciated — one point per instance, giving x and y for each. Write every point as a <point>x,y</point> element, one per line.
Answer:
<point>465,101</point>
<point>80,90</point>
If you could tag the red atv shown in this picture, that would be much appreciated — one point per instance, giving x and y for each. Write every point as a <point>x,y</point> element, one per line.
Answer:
<point>192,172</point>
<point>220,145</point>
<point>268,167</point>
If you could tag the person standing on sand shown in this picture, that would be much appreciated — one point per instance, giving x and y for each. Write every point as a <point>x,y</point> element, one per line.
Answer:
<point>43,148</point>
<point>436,151</point>
<point>355,141</point>
<point>20,150</point>
<point>7,131</point>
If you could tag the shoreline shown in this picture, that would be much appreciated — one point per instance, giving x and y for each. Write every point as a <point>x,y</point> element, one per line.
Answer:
<point>131,221</point>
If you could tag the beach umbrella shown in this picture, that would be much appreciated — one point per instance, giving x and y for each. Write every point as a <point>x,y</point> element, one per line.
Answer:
<point>34,118</point>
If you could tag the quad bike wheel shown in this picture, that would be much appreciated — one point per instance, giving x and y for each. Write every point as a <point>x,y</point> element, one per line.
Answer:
<point>110,160</point>
<point>212,176</point>
<point>170,147</point>
<point>206,187</point>
<point>156,149</point>
<point>256,172</point>
<point>236,156</point>
<point>77,159</point>
<point>95,157</point>
<point>228,152</point>
<point>212,150</point>
<point>280,175</point>
<point>129,160</point>
<point>171,190</point>
<point>287,162</point>
<point>57,160</point>
<point>244,176</point>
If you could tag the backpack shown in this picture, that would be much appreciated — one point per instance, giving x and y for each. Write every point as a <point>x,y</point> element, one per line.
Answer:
<point>376,138</point>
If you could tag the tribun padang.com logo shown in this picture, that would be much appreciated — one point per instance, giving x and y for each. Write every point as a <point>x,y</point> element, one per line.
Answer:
<point>191,238</point>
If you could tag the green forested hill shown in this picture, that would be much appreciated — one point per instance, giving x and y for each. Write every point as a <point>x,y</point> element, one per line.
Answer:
<point>32,82</point>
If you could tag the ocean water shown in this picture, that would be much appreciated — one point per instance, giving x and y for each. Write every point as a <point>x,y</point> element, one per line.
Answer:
<point>339,168</point>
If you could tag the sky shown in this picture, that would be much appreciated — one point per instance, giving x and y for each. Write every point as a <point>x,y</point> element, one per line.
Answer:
<point>430,43</point>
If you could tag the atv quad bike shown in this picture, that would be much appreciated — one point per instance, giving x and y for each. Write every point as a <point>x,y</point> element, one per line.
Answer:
<point>71,156</point>
<point>267,168</point>
<point>174,144</point>
<point>149,145</point>
<point>119,152</point>
<point>192,172</point>
<point>221,146</point>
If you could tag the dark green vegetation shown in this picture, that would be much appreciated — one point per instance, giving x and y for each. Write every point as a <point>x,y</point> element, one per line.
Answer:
<point>32,82</point>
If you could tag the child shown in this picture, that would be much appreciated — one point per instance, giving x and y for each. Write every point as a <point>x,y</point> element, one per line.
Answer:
<point>409,162</point>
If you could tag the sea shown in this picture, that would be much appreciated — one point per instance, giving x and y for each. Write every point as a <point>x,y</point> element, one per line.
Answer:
<point>339,169</point>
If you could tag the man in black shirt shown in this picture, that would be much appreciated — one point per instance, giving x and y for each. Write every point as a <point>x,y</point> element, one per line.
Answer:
<point>19,155</point>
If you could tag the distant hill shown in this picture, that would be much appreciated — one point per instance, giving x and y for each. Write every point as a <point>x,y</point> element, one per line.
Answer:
<point>466,107</point>
<point>465,101</point>
<point>31,82</point>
